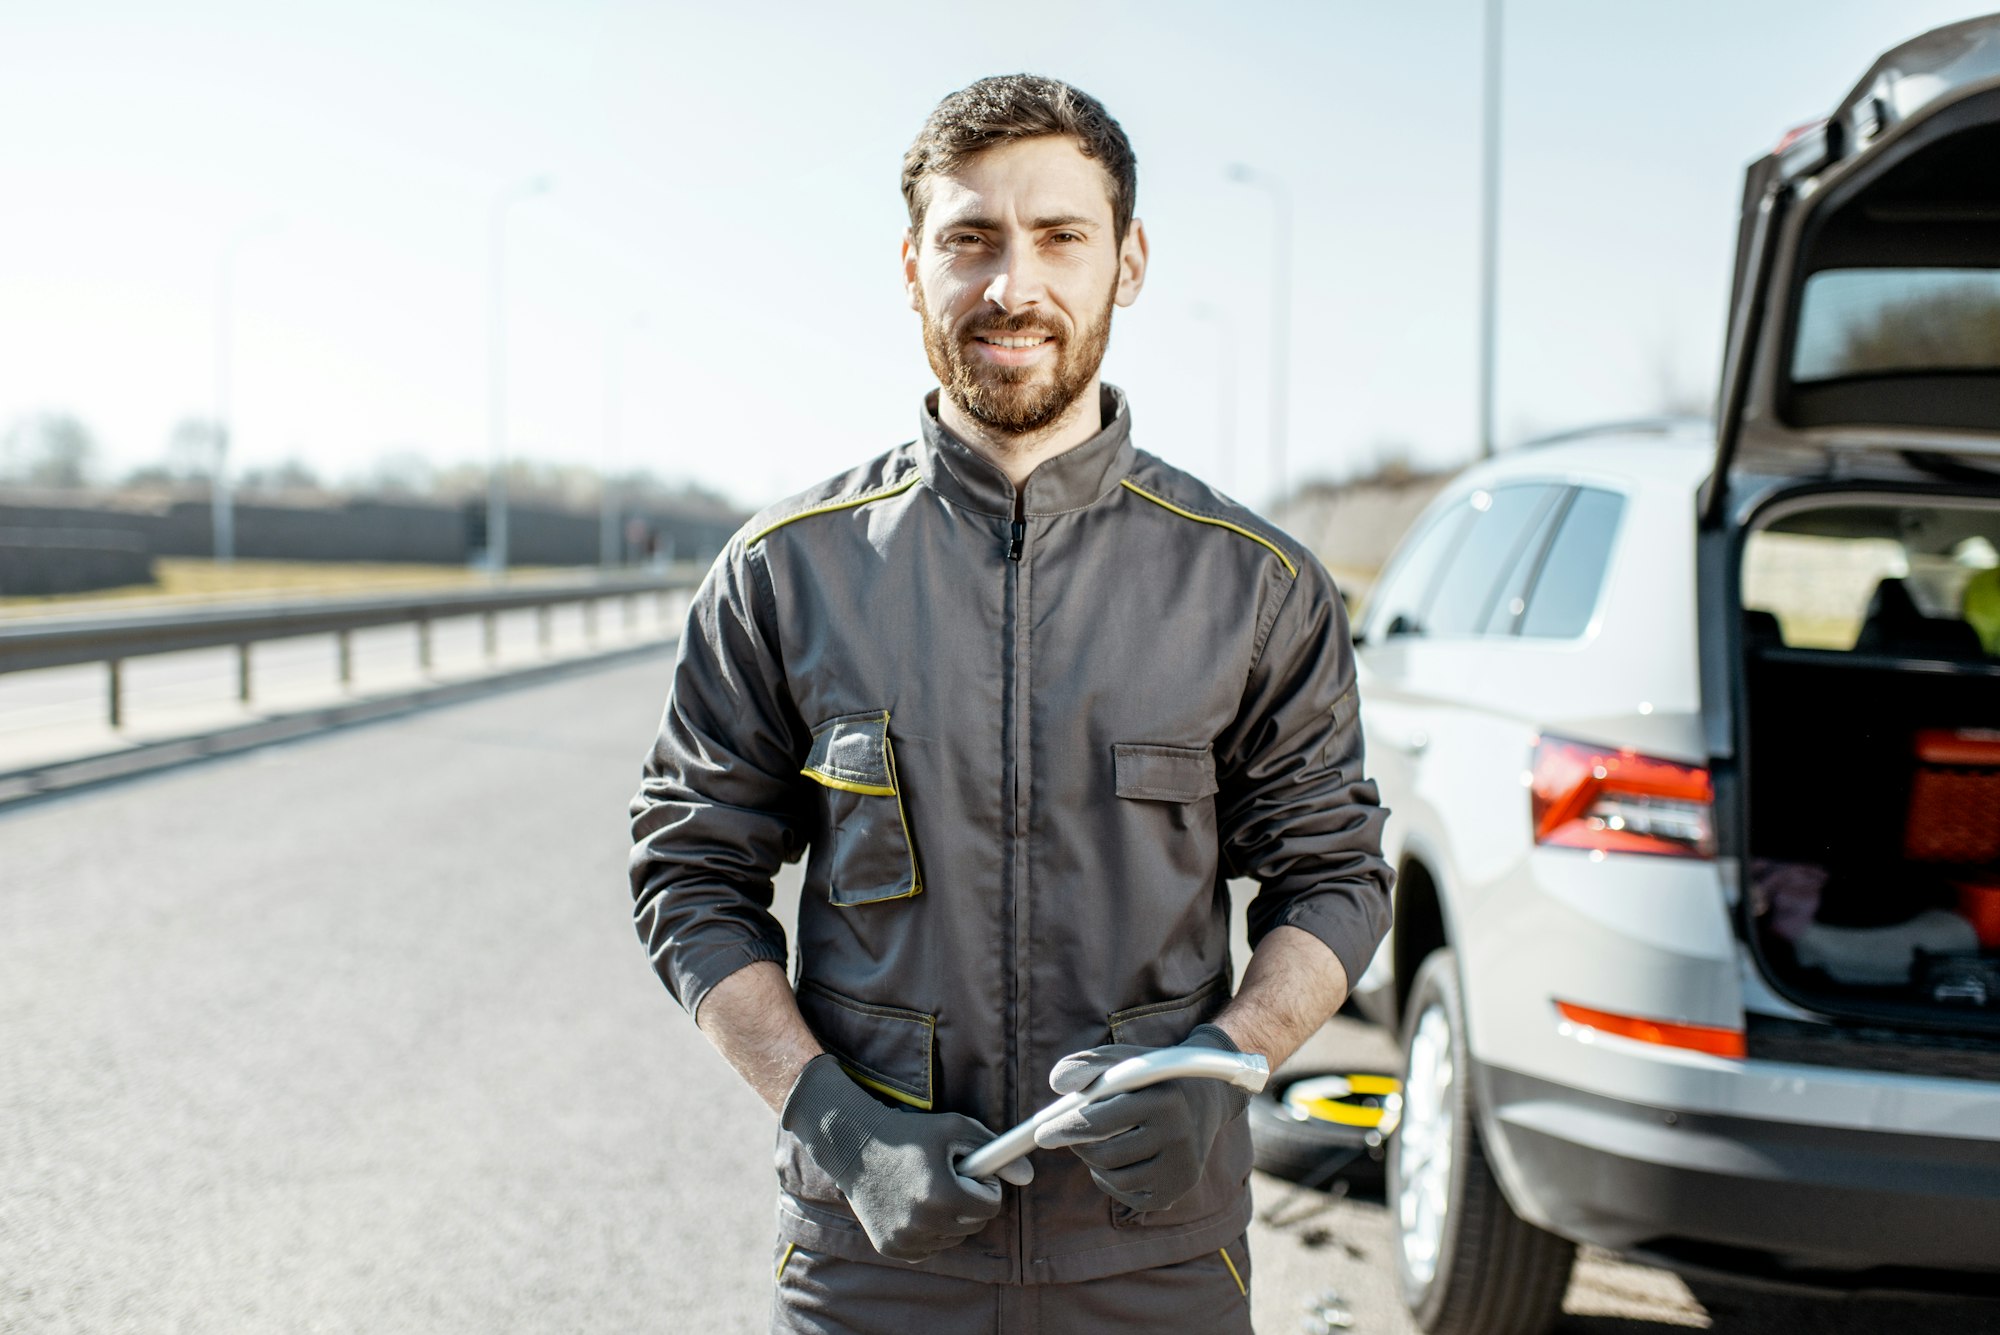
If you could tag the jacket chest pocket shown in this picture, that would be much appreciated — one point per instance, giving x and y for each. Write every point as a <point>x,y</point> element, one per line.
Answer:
<point>1169,788</point>
<point>1175,774</point>
<point>872,858</point>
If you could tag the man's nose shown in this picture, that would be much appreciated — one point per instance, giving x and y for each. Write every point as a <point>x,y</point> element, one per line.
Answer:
<point>1018,284</point>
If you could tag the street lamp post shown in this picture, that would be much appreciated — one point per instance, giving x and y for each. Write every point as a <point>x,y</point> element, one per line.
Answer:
<point>1225,391</point>
<point>608,546</point>
<point>1489,225</point>
<point>1281,312</point>
<point>221,488</point>
<point>496,370</point>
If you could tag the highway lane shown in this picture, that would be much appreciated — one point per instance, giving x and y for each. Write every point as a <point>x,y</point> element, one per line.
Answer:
<point>353,1034</point>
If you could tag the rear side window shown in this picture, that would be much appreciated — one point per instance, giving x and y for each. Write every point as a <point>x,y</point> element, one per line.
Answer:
<point>1472,581</point>
<point>1566,590</point>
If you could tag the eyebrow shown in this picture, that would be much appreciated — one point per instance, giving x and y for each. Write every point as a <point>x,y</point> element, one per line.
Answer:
<point>984,224</point>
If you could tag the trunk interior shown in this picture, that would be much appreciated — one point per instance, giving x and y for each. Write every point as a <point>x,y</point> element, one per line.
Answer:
<point>1871,727</point>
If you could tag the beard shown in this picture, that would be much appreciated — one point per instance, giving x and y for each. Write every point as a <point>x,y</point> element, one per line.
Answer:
<point>1014,400</point>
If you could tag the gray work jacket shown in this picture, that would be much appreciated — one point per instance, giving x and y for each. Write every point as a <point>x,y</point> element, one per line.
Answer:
<point>1023,739</point>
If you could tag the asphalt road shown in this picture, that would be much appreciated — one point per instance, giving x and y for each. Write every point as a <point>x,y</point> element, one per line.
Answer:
<point>353,1034</point>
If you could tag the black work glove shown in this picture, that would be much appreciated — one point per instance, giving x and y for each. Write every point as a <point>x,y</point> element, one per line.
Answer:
<point>1146,1148</point>
<point>894,1167</point>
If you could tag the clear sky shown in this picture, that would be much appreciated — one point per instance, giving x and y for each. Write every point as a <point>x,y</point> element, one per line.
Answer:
<point>724,218</point>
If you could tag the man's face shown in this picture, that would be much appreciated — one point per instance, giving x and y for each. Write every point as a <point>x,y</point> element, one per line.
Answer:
<point>1015,276</point>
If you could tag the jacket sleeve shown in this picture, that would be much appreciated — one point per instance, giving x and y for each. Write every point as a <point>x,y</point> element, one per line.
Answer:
<point>1296,813</point>
<point>716,812</point>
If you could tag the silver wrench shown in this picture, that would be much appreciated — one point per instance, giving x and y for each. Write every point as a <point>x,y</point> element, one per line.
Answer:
<point>1246,1071</point>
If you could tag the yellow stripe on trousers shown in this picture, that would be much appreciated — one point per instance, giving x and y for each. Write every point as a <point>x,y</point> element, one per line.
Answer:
<point>1232,1271</point>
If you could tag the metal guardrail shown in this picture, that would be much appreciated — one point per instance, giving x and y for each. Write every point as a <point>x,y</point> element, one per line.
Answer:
<point>66,641</point>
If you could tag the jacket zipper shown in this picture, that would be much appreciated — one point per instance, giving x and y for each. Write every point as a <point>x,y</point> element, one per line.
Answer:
<point>1018,577</point>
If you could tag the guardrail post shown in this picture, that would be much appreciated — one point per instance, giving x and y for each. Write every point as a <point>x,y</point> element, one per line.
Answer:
<point>590,621</point>
<point>424,643</point>
<point>344,642</point>
<point>660,606</point>
<point>116,681</point>
<point>490,628</point>
<point>631,614</point>
<point>243,673</point>
<point>543,616</point>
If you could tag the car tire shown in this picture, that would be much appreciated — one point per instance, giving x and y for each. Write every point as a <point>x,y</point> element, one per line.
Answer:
<point>1292,1144</point>
<point>1468,1265</point>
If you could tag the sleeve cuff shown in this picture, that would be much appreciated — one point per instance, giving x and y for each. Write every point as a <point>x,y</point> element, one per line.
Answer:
<point>694,972</point>
<point>1349,928</point>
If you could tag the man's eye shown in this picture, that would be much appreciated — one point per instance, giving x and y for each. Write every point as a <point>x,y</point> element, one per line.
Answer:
<point>962,239</point>
<point>1067,236</point>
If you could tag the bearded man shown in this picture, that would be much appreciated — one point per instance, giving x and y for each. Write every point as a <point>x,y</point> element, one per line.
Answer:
<point>1026,698</point>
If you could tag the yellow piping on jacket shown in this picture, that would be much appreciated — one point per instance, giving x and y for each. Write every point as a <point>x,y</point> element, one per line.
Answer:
<point>883,493</point>
<point>1257,538</point>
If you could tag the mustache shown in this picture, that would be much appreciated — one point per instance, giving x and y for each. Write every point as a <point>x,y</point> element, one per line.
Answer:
<point>1005,325</point>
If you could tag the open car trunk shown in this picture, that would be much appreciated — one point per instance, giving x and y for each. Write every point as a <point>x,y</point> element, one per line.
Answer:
<point>1871,757</point>
<point>1850,550</point>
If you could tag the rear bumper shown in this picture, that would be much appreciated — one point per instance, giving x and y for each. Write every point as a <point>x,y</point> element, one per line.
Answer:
<point>1820,1204</point>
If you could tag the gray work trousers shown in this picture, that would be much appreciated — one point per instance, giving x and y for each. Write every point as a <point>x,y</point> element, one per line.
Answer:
<point>818,1294</point>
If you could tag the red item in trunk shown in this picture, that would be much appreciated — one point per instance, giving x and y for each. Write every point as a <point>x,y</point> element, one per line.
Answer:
<point>1955,797</point>
<point>1979,902</point>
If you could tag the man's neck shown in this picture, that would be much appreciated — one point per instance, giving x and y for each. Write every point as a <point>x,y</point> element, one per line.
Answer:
<point>1019,455</point>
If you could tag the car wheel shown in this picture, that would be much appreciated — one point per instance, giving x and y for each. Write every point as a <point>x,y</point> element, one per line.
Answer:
<point>1468,1264</point>
<point>1318,1125</point>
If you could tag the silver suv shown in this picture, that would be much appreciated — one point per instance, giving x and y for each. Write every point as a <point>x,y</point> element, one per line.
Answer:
<point>1692,737</point>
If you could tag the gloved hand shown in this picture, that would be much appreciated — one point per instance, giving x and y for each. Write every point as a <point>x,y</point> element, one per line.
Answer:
<point>1146,1148</point>
<point>894,1167</point>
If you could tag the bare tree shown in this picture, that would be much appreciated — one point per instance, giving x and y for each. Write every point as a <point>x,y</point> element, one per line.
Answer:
<point>50,450</point>
<point>291,475</point>
<point>401,473</point>
<point>191,450</point>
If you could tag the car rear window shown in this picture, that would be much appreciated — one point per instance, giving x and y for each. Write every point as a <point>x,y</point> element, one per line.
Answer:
<point>1856,322</point>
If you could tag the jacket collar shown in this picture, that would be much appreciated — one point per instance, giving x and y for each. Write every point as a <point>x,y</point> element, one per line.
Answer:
<point>1077,477</point>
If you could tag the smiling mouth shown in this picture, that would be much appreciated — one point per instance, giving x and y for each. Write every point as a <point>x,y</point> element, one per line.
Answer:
<point>1012,341</point>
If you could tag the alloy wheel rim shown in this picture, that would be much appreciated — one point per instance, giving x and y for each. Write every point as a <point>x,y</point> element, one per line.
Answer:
<point>1424,1146</point>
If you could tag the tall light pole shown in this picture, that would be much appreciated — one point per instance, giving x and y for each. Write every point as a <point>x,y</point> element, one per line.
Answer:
<point>1225,390</point>
<point>496,367</point>
<point>1489,224</point>
<point>608,546</point>
<point>1281,312</point>
<point>221,489</point>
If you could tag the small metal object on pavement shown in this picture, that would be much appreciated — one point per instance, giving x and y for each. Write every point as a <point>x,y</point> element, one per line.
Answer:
<point>1328,1313</point>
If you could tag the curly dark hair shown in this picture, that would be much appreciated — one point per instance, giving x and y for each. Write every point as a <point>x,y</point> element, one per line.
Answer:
<point>1008,107</point>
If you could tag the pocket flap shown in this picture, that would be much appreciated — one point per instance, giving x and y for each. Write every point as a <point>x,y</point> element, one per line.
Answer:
<point>1164,773</point>
<point>1165,1023</point>
<point>886,1048</point>
<point>852,752</point>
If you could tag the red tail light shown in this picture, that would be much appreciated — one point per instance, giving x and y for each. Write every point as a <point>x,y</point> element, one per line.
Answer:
<point>1613,801</point>
<point>1695,1037</point>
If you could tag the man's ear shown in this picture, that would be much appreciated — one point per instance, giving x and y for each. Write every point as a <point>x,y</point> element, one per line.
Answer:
<point>1131,264</point>
<point>910,270</point>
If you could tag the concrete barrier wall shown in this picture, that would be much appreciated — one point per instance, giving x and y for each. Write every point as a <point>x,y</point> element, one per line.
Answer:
<point>45,559</point>
<point>372,530</point>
